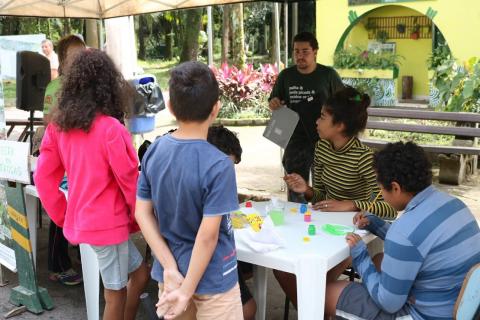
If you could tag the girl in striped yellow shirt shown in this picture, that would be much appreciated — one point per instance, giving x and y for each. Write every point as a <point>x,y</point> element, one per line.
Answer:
<point>343,174</point>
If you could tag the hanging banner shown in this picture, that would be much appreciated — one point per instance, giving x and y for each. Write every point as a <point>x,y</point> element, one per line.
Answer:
<point>7,254</point>
<point>360,2</point>
<point>14,161</point>
<point>3,129</point>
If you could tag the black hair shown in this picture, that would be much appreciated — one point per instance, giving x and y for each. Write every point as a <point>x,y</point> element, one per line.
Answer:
<point>193,91</point>
<point>349,106</point>
<point>93,85</point>
<point>405,163</point>
<point>226,141</point>
<point>306,36</point>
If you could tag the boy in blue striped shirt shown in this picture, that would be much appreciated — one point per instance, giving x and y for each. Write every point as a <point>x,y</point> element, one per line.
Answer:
<point>428,250</point>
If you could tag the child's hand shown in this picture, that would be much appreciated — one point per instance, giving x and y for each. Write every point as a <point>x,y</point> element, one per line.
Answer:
<point>172,280</point>
<point>177,302</point>
<point>361,220</point>
<point>352,239</point>
<point>295,182</point>
<point>162,305</point>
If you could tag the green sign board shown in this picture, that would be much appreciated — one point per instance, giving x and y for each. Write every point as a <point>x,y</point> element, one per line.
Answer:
<point>360,2</point>
<point>15,246</point>
<point>3,129</point>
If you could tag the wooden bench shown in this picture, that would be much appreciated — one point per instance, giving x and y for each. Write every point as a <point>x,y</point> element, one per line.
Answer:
<point>457,161</point>
<point>27,130</point>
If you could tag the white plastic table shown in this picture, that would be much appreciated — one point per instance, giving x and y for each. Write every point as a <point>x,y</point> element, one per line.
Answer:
<point>309,261</point>
<point>90,269</point>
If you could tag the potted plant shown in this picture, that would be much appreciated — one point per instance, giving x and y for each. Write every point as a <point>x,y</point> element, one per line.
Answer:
<point>415,32</point>
<point>244,92</point>
<point>401,27</point>
<point>382,36</point>
<point>371,71</point>
<point>358,63</point>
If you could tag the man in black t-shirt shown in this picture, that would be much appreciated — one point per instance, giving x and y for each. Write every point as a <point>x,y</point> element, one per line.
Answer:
<point>303,88</point>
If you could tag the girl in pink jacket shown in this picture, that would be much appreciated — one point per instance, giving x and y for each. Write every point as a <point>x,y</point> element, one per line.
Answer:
<point>86,140</point>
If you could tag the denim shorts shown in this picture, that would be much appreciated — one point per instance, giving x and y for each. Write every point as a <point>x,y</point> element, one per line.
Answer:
<point>116,262</point>
<point>355,303</point>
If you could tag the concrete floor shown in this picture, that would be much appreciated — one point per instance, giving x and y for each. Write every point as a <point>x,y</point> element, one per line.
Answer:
<point>259,173</point>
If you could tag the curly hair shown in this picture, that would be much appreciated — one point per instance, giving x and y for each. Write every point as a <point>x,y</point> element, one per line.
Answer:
<point>226,141</point>
<point>349,106</point>
<point>404,163</point>
<point>93,85</point>
<point>63,45</point>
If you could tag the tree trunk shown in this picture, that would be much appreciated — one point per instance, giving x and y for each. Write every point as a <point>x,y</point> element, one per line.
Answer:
<point>238,36</point>
<point>92,33</point>
<point>142,35</point>
<point>178,27</point>
<point>169,40</point>
<point>81,28</point>
<point>190,40</point>
<point>10,26</point>
<point>226,33</point>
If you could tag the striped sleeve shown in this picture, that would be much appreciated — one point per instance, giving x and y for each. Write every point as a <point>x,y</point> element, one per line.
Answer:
<point>379,208</point>
<point>319,191</point>
<point>389,288</point>
<point>377,226</point>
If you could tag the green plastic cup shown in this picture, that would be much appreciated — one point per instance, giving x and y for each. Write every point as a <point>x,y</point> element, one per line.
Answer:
<point>277,217</point>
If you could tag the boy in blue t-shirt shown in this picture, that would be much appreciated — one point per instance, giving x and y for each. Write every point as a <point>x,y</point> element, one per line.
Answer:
<point>186,191</point>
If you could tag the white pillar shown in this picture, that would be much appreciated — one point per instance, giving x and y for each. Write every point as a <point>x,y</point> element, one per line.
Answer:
<point>285,32</point>
<point>210,35</point>
<point>120,43</point>
<point>294,18</point>
<point>276,33</point>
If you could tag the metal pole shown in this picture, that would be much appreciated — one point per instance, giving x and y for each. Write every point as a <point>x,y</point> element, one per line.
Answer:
<point>210,35</point>
<point>294,18</point>
<point>276,32</point>
<point>285,31</point>
<point>101,34</point>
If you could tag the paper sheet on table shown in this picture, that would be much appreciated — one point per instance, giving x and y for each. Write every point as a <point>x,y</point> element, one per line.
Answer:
<point>267,239</point>
<point>361,232</point>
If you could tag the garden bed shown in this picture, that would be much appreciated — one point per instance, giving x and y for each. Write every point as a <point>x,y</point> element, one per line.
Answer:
<point>242,122</point>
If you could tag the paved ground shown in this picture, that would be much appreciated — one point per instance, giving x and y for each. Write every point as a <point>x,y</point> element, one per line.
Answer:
<point>259,173</point>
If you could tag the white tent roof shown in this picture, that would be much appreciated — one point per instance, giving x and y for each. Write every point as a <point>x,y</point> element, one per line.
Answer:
<point>97,9</point>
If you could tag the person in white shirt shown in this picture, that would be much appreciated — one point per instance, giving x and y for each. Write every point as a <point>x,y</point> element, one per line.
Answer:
<point>47,50</point>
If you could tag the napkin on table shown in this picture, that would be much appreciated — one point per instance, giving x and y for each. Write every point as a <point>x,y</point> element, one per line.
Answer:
<point>267,239</point>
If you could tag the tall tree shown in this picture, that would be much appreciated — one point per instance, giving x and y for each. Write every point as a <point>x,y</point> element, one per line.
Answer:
<point>92,33</point>
<point>168,20</point>
<point>226,33</point>
<point>142,34</point>
<point>238,36</point>
<point>190,40</point>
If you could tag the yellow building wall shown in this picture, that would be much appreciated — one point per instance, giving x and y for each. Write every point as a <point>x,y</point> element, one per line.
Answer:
<point>414,53</point>
<point>458,20</point>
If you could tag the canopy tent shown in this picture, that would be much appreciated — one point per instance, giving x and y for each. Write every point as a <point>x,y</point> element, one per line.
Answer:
<point>103,9</point>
